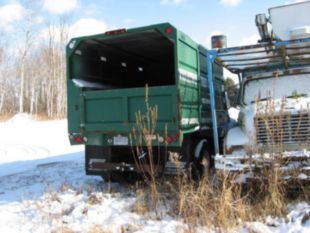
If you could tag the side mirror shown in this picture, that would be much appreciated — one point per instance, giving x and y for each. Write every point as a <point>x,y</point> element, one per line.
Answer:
<point>232,95</point>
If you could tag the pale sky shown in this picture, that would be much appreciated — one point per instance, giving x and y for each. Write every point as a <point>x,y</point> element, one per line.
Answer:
<point>198,18</point>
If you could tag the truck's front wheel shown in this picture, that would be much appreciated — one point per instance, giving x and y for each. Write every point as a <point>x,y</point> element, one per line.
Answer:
<point>201,167</point>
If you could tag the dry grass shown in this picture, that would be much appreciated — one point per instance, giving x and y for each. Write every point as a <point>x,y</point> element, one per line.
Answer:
<point>305,193</point>
<point>98,229</point>
<point>204,204</point>
<point>197,204</point>
<point>141,139</point>
<point>141,206</point>
<point>220,204</point>
<point>272,194</point>
<point>277,124</point>
<point>5,116</point>
<point>63,229</point>
<point>45,117</point>
<point>268,195</point>
<point>38,117</point>
<point>129,228</point>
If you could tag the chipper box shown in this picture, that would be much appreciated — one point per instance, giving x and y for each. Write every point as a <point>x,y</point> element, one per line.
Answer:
<point>113,77</point>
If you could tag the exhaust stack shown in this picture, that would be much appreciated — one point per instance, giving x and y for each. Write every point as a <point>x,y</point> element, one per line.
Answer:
<point>261,23</point>
<point>219,42</point>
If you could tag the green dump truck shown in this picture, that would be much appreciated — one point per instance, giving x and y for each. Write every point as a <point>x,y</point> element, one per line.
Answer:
<point>107,75</point>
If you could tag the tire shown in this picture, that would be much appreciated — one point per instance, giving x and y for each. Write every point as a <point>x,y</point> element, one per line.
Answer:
<point>206,162</point>
<point>107,177</point>
<point>201,167</point>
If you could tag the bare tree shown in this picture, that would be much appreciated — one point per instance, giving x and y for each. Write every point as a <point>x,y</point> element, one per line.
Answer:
<point>55,69</point>
<point>62,97</point>
<point>33,80</point>
<point>2,91</point>
<point>3,71</point>
<point>24,52</point>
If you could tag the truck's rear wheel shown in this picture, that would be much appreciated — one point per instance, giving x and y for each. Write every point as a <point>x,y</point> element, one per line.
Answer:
<point>106,176</point>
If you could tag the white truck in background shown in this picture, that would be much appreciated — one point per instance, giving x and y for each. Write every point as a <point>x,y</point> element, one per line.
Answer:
<point>274,96</point>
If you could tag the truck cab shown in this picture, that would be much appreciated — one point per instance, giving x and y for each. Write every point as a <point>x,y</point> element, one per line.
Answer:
<point>274,96</point>
<point>274,116</point>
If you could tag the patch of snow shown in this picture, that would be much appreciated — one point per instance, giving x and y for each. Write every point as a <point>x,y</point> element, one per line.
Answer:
<point>20,119</point>
<point>302,176</point>
<point>234,113</point>
<point>298,220</point>
<point>256,227</point>
<point>24,139</point>
<point>43,188</point>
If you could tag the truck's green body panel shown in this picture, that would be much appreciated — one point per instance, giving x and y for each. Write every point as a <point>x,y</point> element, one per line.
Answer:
<point>116,110</point>
<point>183,102</point>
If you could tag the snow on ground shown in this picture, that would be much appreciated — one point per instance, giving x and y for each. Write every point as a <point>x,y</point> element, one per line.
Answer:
<point>297,221</point>
<point>43,188</point>
<point>234,113</point>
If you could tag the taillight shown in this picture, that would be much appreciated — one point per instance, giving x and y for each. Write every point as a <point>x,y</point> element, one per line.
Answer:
<point>78,139</point>
<point>176,137</point>
<point>168,140</point>
<point>116,32</point>
<point>168,30</point>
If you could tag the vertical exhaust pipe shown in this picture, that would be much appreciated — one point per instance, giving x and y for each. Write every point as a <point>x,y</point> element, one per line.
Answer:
<point>219,42</point>
<point>261,24</point>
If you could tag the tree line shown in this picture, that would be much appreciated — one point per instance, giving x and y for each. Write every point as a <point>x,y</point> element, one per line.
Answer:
<point>33,69</point>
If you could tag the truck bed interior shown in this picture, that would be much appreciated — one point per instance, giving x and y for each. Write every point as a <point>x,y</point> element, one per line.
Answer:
<point>126,61</point>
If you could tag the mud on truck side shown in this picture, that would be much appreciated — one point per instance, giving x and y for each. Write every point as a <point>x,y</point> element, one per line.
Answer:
<point>106,80</point>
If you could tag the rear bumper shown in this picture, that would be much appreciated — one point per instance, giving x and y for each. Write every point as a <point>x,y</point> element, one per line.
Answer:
<point>97,166</point>
<point>100,159</point>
